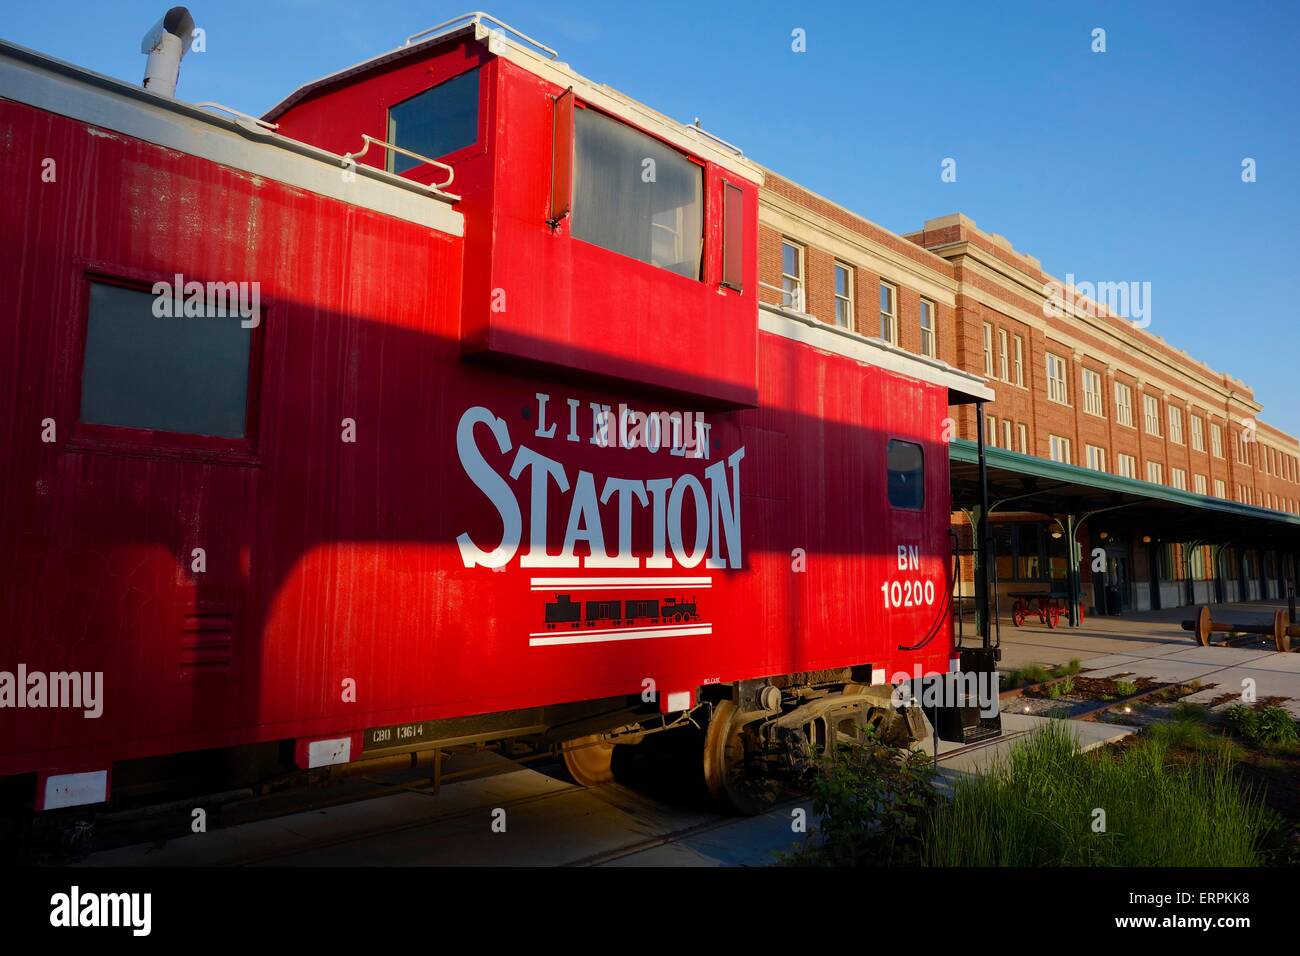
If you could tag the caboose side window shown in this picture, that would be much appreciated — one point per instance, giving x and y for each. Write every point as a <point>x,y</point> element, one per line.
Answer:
<point>185,374</point>
<point>436,122</point>
<point>636,196</point>
<point>906,485</point>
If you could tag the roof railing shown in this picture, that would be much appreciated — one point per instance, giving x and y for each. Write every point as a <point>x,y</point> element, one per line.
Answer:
<point>697,128</point>
<point>221,107</point>
<point>478,18</point>
<point>350,159</point>
<point>795,296</point>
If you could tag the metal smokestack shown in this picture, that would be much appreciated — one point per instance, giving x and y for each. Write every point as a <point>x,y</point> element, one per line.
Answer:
<point>166,43</point>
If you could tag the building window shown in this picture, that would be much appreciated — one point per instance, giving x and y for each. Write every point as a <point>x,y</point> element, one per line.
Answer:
<point>187,375</point>
<point>927,329</point>
<point>659,222</point>
<point>888,313</point>
<point>1096,457</point>
<point>843,296</point>
<point>1155,473</point>
<point>1092,393</point>
<point>1175,425</point>
<point>906,484</point>
<point>436,122</point>
<point>1220,490</point>
<point>1059,448</point>
<point>1057,391</point>
<point>988,350</point>
<point>1151,414</point>
<point>1198,482</point>
<point>1006,434</point>
<point>1216,441</point>
<point>1004,359</point>
<point>990,431</point>
<point>1020,361</point>
<point>1024,439</point>
<point>791,276</point>
<point>1127,466</point>
<point>1026,551</point>
<point>1243,453</point>
<point>1198,434</point>
<point>1178,478</point>
<point>1123,404</point>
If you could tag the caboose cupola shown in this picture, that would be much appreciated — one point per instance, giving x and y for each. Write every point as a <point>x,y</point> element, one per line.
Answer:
<point>603,239</point>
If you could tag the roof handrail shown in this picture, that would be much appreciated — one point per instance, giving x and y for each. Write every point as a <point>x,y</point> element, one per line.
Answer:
<point>350,159</point>
<point>221,107</point>
<point>697,128</point>
<point>478,18</point>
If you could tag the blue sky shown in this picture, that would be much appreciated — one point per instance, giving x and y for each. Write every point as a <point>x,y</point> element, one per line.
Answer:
<point>1115,166</point>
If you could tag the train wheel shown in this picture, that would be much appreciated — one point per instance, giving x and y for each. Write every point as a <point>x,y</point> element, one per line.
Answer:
<point>589,761</point>
<point>729,783</point>
<point>1018,612</point>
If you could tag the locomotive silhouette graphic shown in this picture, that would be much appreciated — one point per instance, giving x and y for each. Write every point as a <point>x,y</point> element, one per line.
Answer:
<point>564,610</point>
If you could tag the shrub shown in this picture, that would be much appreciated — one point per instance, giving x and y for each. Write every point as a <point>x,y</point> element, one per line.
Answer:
<point>872,801</point>
<point>1126,688</point>
<point>1263,725</point>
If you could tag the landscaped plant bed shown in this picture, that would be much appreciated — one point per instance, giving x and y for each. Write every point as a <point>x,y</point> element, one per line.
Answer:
<point>1165,704</point>
<point>1194,735</point>
<point>1013,683</point>
<point>1094,688</point>
<point>1037,807</point>
<point>1076,696</point>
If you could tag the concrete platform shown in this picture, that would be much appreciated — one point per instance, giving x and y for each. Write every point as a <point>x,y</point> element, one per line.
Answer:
<point>1145,634</point>
<point>1152,644</point>
<point>956,760</point>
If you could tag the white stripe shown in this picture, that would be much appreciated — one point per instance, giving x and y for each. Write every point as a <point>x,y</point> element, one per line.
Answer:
<point>550,584</point>
<point>625,634</point>
<point>620,630</point>
<point>621,587</point>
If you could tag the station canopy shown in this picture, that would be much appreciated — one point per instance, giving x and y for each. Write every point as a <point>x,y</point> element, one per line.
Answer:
<point>1021,483</point>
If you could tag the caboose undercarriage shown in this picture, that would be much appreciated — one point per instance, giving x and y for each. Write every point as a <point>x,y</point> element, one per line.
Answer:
<point>756,742</point>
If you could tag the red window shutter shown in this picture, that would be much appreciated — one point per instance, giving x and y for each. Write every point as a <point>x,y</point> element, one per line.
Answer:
<point>562,158</point>
<point>733,237</point>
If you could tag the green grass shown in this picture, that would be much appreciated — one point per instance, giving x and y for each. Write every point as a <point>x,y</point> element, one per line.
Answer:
<point>1126,688</point>
<point>1190,732</point>
<point>1184,710</point>
<point>1038,809</point>
<point>1038,674</point>
<point>1061,688</point>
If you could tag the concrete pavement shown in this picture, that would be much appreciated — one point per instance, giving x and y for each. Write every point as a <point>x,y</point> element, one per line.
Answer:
<point>1151,644</point>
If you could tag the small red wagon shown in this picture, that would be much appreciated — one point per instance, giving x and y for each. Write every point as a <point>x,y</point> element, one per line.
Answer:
<point>1051,607</point>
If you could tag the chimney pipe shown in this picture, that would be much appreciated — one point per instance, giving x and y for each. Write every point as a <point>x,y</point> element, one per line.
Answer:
<point>166,43</point>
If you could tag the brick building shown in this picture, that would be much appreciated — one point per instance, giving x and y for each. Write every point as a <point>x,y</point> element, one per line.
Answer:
<point>1075,383</point>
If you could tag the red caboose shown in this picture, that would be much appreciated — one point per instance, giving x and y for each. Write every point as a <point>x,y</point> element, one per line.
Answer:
<point>445,412</point>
